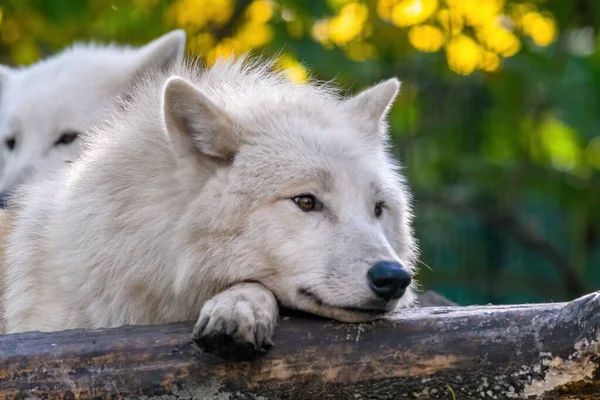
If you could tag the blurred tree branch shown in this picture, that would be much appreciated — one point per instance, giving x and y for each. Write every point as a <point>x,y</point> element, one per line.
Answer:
<point>512,225</point>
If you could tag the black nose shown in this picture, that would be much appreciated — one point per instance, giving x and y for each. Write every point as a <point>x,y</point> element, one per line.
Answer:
<point>388,279</point>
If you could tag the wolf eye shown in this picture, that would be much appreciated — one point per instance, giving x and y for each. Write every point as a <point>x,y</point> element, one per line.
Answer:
<point>66,138</point>
<point>308,202</point>
<point>11,143</point>
<point>379,209</point>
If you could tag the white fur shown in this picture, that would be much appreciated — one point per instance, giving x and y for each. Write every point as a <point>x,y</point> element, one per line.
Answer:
<point>67,93</point>
<point>181,207</point>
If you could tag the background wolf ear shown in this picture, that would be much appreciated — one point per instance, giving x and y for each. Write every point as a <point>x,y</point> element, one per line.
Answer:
<point>161,53</point>
<point>195,124</point>
<point>374,103</point>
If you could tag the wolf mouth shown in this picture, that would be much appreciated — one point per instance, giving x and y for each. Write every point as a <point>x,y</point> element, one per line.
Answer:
<point>312,296</point>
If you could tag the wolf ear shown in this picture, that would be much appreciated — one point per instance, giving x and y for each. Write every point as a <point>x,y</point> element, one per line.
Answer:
<point>195,124</point>
<point>374,102</point>
<point>160,53</point>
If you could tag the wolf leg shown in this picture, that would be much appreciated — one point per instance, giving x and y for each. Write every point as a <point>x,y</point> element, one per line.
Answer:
<point>238,322</point>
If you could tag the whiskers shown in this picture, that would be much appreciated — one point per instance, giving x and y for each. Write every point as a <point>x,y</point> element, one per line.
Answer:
<point>427,266</point>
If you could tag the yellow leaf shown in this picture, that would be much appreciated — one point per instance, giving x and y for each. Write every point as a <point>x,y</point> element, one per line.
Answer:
<point>413,12</point>
<point>463,54</point>
<point>349,23</point>
<point>260,11</point>
<point>426,38</point>
<point>451,21</point>
<point>542,29</point>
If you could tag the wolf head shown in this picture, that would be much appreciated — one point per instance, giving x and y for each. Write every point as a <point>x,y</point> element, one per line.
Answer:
<point>45,108</point>
<point>300,183</point>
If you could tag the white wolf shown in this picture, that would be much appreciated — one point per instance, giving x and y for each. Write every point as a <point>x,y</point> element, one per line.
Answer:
<point>214,195</point>
<point>46,106</point>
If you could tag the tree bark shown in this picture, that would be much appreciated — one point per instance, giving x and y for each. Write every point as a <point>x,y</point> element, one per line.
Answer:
<point>536,351</point>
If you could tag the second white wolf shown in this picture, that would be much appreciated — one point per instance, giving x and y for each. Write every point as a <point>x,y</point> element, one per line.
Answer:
<point>214,195</point>
<point>46,107</point>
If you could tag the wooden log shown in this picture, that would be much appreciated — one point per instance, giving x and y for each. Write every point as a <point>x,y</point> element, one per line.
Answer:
<point>542,351</point>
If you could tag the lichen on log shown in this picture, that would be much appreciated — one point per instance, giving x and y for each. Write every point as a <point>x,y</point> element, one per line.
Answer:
<point>537,351</point>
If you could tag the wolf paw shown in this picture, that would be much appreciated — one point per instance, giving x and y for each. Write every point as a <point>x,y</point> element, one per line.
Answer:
<point>238,323</point>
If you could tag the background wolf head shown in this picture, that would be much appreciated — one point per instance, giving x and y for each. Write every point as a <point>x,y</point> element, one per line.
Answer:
<point>46,107</point>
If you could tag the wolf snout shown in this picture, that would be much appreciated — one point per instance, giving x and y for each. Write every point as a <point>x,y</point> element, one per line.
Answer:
<point>388,279</point>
